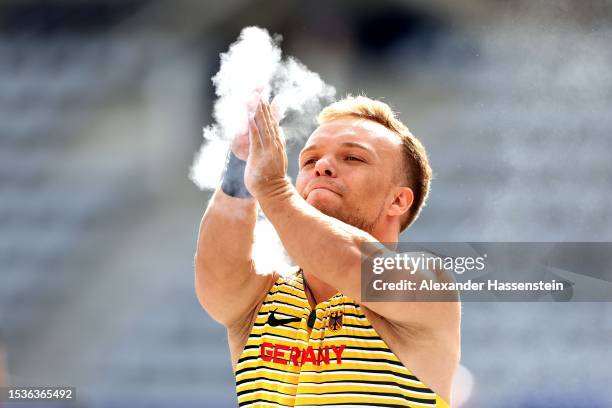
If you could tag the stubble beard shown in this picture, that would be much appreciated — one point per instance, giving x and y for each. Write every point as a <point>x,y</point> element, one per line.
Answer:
<point>354,217</point>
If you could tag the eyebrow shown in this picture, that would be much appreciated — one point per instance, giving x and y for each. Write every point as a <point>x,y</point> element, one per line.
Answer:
<point>344,144</point>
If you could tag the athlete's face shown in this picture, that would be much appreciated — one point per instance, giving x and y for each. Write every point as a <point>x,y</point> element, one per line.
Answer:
<point>348,170</point>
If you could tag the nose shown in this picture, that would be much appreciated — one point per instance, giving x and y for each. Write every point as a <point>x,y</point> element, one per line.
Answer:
<point>324,167</point>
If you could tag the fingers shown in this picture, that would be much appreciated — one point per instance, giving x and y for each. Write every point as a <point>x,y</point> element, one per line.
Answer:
<point>276,131</point>
<point>265,125</point>
<point>269,131</point>
<point>255,142</point>
<point>268,115</point>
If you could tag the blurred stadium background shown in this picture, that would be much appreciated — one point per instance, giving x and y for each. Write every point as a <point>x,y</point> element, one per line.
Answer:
<point>101,109</point>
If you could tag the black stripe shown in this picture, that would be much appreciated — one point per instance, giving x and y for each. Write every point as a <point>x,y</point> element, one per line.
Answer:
<point>281,315</point>
<point>246,392</point>
<point>284,325</point>
<point>266,313</point>
<point>247,369</point>
<point>382,394</point>
<point>367,370</point>
<point>297,288</point>
<point>241,404</point>
<point>254,336</point>
<point>279,284</point>
<point>373,360</point>
<point>247,358</point>
<point>368,404</point>
<point>293,295</point>
<point>262,377</point>
<point>287,288</point>
<point>352,336</point>
<point>359,326</point>
<point>374,382</point>
<point>274,301</point>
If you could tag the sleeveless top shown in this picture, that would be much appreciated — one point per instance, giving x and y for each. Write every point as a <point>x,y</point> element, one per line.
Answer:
<point>341,361</point>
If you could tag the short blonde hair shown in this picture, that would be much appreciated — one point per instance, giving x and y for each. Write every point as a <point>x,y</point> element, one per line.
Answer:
<point>415,166</point>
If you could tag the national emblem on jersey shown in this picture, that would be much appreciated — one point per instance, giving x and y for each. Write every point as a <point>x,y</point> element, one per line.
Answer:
<point>335,321</point>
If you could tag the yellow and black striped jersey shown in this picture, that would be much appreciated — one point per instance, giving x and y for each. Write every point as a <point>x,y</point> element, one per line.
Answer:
<point>341,362</point>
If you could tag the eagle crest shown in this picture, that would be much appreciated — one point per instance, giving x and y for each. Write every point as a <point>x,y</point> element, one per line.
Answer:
<point>335,321</point>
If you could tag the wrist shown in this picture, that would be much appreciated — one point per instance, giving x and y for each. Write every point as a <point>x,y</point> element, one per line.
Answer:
<point>275,192</point>
<point>233,178</point>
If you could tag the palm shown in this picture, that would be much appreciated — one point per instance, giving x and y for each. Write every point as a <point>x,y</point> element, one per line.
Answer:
<point>240,143</point>
<point>267,161</point>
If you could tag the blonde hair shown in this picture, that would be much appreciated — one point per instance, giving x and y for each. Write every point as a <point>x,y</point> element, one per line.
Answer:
<point>415,166</point>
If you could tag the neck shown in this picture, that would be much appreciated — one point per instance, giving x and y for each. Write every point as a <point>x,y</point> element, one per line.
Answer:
<point>386,231</point>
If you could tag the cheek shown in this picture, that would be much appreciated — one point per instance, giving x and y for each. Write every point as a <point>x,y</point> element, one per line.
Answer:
<point>301,181</point>
<point>375,187</point>
<point>370,182</point>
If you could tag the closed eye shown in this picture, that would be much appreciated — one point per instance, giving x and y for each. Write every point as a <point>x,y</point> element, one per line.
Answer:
<point>354,158</point>
<point>309,161</point>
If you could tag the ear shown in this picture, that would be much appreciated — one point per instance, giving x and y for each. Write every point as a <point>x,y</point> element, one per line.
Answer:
<point>402,201</point>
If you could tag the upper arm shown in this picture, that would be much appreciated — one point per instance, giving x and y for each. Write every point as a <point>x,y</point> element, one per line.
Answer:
<point>229,301</point>
<point>226,283</point>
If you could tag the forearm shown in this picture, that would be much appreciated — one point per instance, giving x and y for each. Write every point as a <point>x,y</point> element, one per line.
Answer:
<point>323,245</point>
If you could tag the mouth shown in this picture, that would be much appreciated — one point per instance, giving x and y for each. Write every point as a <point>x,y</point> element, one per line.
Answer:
<point>320,187</point>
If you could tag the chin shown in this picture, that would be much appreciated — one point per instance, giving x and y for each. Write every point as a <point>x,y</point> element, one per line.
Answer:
<point>333,206</point>
<point>323,202</point>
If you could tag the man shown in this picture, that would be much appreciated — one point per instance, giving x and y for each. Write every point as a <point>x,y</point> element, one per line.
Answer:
<point>308,339</point>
